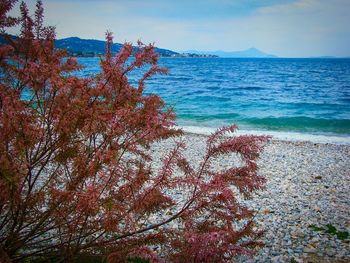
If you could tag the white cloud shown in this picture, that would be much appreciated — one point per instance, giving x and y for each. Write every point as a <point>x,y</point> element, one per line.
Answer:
<point>294,29</point>
<point>301,28</point>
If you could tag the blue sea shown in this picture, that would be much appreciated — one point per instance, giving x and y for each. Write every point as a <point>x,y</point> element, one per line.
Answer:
<point>291,98</point>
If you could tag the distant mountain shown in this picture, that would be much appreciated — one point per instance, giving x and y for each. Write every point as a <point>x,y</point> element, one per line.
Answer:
<point>76,45</point>
<point>3,40</point>
<point>91,47</point>
<point>248,53</point>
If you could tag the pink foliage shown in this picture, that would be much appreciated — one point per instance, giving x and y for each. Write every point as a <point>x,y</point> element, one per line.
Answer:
<point>76,175</point>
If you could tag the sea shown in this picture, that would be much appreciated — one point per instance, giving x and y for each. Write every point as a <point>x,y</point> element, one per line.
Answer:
<point>293,99</point>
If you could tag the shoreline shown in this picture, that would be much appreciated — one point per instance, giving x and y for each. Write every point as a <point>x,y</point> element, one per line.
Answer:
<point>277,135</point>
<point>307,184</point>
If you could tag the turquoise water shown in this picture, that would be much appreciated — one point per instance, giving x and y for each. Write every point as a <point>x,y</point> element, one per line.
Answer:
<point>288,95</point>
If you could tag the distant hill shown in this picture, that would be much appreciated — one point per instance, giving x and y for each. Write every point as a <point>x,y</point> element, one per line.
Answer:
<point>76,44</point>
<point>248,53</point>
<point>3,41</point>
<point>91,47</point>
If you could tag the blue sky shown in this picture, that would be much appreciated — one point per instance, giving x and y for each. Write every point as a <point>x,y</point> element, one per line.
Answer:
<point>288,28</point>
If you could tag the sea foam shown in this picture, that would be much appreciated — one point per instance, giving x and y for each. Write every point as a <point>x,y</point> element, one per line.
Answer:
<point>276,135</point>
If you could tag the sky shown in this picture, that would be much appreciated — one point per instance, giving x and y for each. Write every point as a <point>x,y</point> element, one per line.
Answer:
<point>286,28</point>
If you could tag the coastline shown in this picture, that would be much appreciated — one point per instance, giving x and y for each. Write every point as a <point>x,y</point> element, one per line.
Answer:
<point>277,135</point>
<point>307,184</point>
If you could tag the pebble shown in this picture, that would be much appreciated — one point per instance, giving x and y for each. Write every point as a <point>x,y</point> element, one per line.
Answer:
<point>307,183</point>
<point>309,250</point>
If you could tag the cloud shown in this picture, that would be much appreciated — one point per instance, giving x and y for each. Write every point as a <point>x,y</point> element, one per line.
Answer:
<point>292,28</point>
<point>295,29</point>
<point>302,28</point>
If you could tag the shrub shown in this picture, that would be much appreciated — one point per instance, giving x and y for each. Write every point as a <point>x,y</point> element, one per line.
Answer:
<point>76,175</point>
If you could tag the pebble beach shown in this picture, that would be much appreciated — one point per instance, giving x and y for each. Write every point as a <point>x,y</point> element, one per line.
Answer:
<point>308,186</point>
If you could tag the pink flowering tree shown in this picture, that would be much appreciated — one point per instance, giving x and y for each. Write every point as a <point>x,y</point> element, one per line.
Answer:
<point>76,174</point>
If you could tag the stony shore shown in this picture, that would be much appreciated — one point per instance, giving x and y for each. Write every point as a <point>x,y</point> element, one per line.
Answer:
<point>307,184</point>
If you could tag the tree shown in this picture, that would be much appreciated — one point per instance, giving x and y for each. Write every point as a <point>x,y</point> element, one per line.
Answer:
<point>76,175</point>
